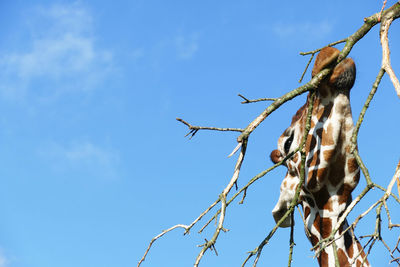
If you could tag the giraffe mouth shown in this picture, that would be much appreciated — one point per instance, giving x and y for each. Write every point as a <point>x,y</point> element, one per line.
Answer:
<point>278,212</point>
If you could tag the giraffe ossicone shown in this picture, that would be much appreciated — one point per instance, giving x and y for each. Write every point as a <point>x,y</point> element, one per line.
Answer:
<point>331,171</point>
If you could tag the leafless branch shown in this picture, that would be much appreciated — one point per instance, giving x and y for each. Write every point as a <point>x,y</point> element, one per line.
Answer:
<point>247,101</point>
<point>386,53</point>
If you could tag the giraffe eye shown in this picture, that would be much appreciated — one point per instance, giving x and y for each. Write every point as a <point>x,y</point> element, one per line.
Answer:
<point>288,143</point>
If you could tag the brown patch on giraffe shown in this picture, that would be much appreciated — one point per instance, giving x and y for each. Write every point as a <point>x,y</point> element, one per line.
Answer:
<point>299,113</point>
<point>319,132</point>
<point>312,124</point>
<point>327,138</point>
<point>324,112</point>
<point>326,227</point>
<point>292,186</point>
<point>352,165</point>
<point>314,239</point>
<point>343,260</point>
<point>315,160</point>
<point>323,225</point>
<point>358,263</point>
<point>337,172</point>
<point>311,142</point>
<point>344,192</point>
<point>284,184</point>
<point>310,201</point>
<point>316,176</point>
<point>323,90</point>
<point>323,259</point>
<point>307,211</point>
<point>356,177</point>
<point>295,158</point>
<point>323,197</point>
<point>348,243</point>
<point>328,154</point>
<point>361,249</point>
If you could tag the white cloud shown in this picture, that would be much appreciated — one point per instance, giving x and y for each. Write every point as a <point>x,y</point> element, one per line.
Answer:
<point>3,260</point>
<point>186,45</point>
<point>83,157</point>
<point>60,54</point>
<point>307,29</point>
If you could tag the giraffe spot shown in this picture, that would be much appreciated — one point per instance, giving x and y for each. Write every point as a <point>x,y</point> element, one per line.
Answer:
<point>314,239</point>
<point>310,201</point>
<point>311,142</point>
<point>319,132</point>
<point>343,260</point>
<point>323,225</point>
<point>356,177</point>
<point>289,165</point>
<point>284,184</point>
<point>315,177</point>
<point>344,192</point>
<point>323,259</point>
<point>337,171</point>
<point>299,113</point>
<point>324,112</point>
<point>291,186</point>
<point>315,160</point>
<point>348,243</point>
<point>326,227</point>
<point>312,124</point>
<point>323,90</point>
<point>327,138</point>
<point>361,249</point>
<point>358,263</point>
<point>322,196</point>
<point>307,211</point>
<point>295,158</point>
<point>328,154</point>
<point>352,165</point>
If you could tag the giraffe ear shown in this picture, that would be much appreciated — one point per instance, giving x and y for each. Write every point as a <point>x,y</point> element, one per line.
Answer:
<point>344,75</point>
<point>325,57</point>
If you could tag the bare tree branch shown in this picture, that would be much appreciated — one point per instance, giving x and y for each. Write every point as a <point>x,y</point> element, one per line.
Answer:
<point>386,54</point>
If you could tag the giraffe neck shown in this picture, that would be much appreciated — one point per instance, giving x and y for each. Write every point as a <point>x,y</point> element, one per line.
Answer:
<point>320,224</point>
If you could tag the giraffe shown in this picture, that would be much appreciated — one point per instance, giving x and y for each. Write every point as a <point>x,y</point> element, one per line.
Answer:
<point>331,171</point>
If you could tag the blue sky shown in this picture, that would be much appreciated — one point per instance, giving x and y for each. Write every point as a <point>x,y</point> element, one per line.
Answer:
<point>93,162</point>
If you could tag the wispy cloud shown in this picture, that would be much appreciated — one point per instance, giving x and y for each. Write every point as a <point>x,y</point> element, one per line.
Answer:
<point>186,45</point>
<point>312,30</point>
<point>4,262</point>
<point>60,53</point>
<point>83,157</point>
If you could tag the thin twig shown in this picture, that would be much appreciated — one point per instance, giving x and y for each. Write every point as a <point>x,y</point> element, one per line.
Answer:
<point>305,69</point>
<point>193,129</point>
<point>383,7</point>
<point>247,101</point>
<point>157,237</point>
<point>291,240</point>
<point>319,49</point>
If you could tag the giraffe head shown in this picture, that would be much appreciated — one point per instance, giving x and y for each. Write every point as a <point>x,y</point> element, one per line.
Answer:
<point>331,172</point>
